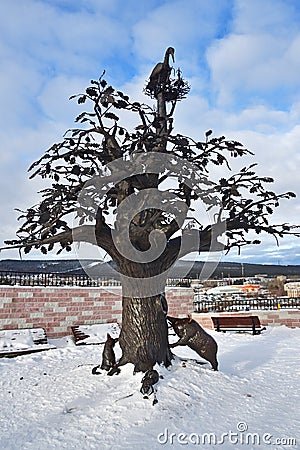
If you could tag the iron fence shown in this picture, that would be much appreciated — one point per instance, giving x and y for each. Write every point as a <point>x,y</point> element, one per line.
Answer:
<point>246,304</point>
<point>59,279</point>
<point>53,279</point>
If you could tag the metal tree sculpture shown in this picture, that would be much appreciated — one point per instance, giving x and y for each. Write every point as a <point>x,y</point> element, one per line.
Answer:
<point>115,182</point>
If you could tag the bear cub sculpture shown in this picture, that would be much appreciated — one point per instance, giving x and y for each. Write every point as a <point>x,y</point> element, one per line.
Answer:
<point>150,378</point>
<point>193,335</point>
<point>108,357</point>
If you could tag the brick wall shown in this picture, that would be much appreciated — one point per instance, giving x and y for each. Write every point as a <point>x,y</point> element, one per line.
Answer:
<point>180,301</point>
<point>58,308</point>
<point>287,317</point>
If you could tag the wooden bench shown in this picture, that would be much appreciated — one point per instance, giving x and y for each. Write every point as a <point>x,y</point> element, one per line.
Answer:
<point>17,342</point>
<point>94,334</point>
<point>238,323</point>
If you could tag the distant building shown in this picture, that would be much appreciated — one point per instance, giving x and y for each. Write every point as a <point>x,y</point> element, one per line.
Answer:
<point>292,289</point>
<point>196,284</point>
<point>235,289</point>
<point>281,278</point>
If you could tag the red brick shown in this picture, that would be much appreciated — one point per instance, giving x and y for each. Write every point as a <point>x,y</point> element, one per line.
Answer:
<point>4,315</point>
<point>8,306</point>
<point>70,308</point>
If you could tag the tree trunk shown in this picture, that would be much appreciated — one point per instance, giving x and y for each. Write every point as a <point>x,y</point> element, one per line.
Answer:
<point>162,113</point>
<point>144,334</point>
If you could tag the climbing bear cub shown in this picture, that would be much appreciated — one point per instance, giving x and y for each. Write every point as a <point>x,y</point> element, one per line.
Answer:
<point>193,335</point>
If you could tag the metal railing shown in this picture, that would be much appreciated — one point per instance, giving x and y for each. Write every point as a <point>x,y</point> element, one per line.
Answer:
<point>53,279</point>
<point>60,279</point>
<point>246,304</point>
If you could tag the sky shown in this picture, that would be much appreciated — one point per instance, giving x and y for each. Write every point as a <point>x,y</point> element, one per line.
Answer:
<point>241,58</point>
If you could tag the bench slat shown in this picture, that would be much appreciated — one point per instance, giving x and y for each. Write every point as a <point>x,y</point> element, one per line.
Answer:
<point>238,323</point>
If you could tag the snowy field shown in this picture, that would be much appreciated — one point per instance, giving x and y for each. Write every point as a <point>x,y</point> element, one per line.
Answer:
<point>51,400</point>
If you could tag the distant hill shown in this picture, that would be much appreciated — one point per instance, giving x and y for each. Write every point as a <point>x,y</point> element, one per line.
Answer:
<point>181,269</point>
<point>233,269</point>
<point>64,266</point>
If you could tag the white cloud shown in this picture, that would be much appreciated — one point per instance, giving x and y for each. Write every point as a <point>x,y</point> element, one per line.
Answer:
<point>251,65</point>
<point>186,27</point>
<point>54,98</point>
<point>259,55</point>
<point>265,16</point>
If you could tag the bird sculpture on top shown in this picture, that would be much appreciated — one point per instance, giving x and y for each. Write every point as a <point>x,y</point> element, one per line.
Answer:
<point>160,74</point>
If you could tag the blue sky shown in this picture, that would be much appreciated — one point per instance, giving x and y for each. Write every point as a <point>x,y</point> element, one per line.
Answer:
<point>241,57</point>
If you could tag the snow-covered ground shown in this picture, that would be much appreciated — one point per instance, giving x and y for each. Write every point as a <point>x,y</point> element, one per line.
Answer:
<point>51,400</point>
<point>12,341</point>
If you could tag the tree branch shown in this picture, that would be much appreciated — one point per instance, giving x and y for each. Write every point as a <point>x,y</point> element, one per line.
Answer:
<point>91,234</point>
